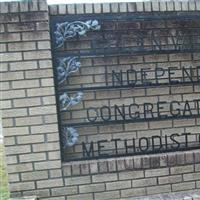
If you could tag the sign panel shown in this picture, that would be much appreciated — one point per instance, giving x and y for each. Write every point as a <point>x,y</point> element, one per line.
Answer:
<point>116,74</point>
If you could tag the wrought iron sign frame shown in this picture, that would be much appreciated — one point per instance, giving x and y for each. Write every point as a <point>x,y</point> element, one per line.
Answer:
<point>63,28</point>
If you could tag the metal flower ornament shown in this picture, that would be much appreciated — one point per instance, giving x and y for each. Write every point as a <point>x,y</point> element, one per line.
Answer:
<point>69,137</point>
<point>71,29</point>
<point>67,66</point>
<point>66,101</point>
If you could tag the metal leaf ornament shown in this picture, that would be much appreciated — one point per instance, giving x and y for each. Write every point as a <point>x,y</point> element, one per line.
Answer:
<point>71,29</point>
<point>66,101</point>
<point>69,136</point>
<point>65,67</point>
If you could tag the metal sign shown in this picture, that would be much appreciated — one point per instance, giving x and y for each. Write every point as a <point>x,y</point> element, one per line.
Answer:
<point>77,38</point>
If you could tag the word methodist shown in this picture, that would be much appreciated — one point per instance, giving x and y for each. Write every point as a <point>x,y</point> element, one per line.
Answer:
<point>118,147</point>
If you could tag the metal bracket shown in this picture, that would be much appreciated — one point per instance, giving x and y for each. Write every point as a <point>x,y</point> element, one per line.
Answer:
<point>66,101</point>
<point>65,67</point>
<point>71,29</point>
<point>69,136</point>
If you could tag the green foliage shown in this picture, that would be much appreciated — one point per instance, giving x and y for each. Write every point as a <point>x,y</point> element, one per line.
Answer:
<point>4,195</point>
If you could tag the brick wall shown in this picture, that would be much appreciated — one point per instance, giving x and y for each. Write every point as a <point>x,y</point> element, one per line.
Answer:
<point>30,116</point>
<point>28,99</point>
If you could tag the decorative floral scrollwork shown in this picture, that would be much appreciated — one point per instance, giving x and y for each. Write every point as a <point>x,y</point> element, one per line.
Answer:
<point>65,67</point>
<point>66,101</point>
<point>69,136</point>
<point>71,29</point>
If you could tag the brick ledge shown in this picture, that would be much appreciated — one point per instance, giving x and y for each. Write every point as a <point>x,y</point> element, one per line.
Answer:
<point>132,163</point>
<point>187,195</point>
<point>25,198</point>
<point>148,6</point>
